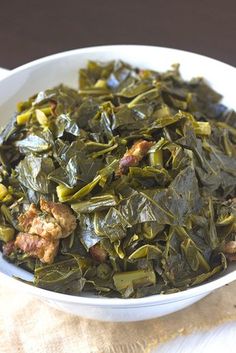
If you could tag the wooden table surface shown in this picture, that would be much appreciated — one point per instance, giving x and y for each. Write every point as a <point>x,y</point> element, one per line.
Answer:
<point>32,29</point>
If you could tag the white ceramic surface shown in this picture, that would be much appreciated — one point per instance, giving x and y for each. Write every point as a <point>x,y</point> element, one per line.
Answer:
<point>218,340</point>
<point>50,71</point>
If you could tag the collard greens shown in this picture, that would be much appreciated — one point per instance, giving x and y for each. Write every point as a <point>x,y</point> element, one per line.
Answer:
<point>147,163</point>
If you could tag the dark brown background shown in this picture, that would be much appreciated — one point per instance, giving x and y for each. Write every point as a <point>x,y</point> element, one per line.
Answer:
<point>32,29</point>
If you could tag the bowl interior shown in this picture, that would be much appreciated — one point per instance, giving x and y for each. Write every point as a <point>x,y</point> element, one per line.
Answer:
<point>63,68</point>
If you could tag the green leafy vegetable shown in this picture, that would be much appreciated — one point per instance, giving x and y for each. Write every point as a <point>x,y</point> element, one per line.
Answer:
<point>33,173</point>
<point>145,160</point>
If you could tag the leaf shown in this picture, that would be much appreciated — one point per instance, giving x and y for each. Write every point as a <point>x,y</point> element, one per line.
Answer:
<point>212,234</point>
<point>60,277</point>
<point>77,168</point>
<point>165,206</point>
<point>135,88</point>
<point>10,129</point>
<point>86,232</point>
<point>101,178</point>
<point>82,192</point>
<point>115,225</point>
<point>96,203</point>
<point>33,143</point>
<point>148,177</point>
<point>66,99</point>
<point>86,111</point>
<point>64,123</point>
<point>133,279</point>
<point>147,251</point>
<point>145,97</point>
<point>33,173</point>
<point>193,255</point>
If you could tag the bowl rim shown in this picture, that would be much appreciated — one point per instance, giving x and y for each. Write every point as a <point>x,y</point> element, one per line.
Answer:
<point>119,302</point>
<point>151,300</point>
<point>101,48</point>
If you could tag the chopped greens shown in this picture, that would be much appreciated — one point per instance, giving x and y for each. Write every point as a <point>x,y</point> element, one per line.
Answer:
<point>125,187</point>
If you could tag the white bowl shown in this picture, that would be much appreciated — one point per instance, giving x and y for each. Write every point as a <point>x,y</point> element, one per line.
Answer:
<point>52,70</point>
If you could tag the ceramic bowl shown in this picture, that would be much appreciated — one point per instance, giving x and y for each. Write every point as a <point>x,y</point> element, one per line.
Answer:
<point>47,72</point>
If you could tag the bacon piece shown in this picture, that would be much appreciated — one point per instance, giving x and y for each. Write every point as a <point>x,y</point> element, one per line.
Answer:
<point>134,155</point>
<point>98,253</point>
<point>8,248</point>
<point>62,214</point>
<point>53,106</point>
<point>42,229</point>
<point>26,219</point>
<point>231,257</point>
<point>230,247</point>
<point>46,227</point>
<point>230,250</point>
<point>37,246</point>
<point>54,222</point>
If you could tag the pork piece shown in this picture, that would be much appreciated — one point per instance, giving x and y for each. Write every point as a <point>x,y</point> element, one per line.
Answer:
<point>62,214</point>
<point>46,227</point>
<point>54,221</point>
<point>230,250</point>
<point>134,155</point>
<point>42,229</point>
<point>8,248</point>
<point>35,222</point>
<point>37,246</point>
<point>26,219</point>
<point>98,253</point>
<point>53,106</point>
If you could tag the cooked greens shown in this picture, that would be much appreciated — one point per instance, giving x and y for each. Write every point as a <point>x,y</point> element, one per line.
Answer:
<point>143,165</point>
